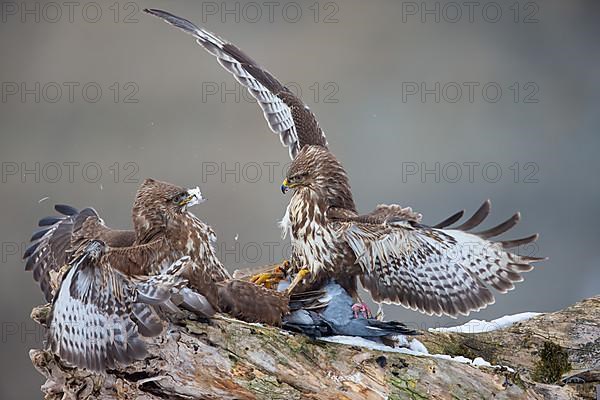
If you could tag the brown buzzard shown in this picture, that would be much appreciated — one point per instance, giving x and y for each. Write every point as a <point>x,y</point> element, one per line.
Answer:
<point>433,269</point>
<point>164,231</point>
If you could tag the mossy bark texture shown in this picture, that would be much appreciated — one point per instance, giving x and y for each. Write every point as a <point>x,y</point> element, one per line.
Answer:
<point>554,356</point>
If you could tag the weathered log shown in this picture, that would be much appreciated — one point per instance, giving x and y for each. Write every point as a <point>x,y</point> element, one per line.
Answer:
<point>551,356</point>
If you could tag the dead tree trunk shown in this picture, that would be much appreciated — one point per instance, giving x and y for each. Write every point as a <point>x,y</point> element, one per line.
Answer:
<point>554,356</point>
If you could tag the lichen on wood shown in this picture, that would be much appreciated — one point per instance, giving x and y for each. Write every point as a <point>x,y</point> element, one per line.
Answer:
<point>552,364</point>
<point>229,359</point>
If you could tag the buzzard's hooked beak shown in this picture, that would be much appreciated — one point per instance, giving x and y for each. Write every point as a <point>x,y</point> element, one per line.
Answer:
<point>285,186</point>
<point>194,197</point>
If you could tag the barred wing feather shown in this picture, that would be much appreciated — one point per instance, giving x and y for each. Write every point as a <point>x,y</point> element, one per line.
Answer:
<point>286,114</point>
<point>436,271</point>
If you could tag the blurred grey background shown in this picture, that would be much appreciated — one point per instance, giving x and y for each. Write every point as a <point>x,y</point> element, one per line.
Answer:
<point>98,96</point>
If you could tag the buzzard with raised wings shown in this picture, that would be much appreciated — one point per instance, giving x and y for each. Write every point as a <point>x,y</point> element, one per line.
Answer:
<point>164,231</point>
<point>433,269</point>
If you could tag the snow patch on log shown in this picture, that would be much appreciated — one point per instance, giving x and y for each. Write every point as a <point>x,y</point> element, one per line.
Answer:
<point>482,326</point>
<point>415,348</point>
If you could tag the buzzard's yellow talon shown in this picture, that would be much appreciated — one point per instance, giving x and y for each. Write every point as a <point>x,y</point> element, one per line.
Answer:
<point>299,277</point>
<point>271,279</point>
<point>261,279</point>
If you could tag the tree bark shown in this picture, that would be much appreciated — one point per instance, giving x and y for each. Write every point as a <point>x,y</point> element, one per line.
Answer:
<point>554,356</point>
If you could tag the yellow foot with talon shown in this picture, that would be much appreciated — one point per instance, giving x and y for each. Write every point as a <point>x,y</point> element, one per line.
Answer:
<point>271,279</point>
<point>260,279</point>
<point>298,278</point>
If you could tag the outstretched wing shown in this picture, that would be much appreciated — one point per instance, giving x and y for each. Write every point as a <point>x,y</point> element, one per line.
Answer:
<point>285,113</point>
<point>124,256</point>
<point>433,270</point>
<point>99,313</point>
<point>51,246</point>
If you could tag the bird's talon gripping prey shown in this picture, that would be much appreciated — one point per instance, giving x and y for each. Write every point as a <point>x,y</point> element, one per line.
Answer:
<point>259,279</point>
<point>298,278</point>
<point>265,279</point>
<point>363,309</point>
<point>271,279</point>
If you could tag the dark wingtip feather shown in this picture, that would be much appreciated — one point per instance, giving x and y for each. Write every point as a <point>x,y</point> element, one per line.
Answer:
<point>30,264</point>
<point>509,244</point>
<point>48,221</point>
<point>534,259</point>
<point>66,209</point>
<point>450,220</point>
<point>478,217</point>
<point>30,250</point>
<point>501,228</point>
<point>520,267</point>
<point>394,327</point>
<point>172,19</point>
<point>39,234</point>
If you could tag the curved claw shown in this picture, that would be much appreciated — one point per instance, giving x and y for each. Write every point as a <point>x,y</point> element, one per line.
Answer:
<point>298,278</point>
<point>270,279</point>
